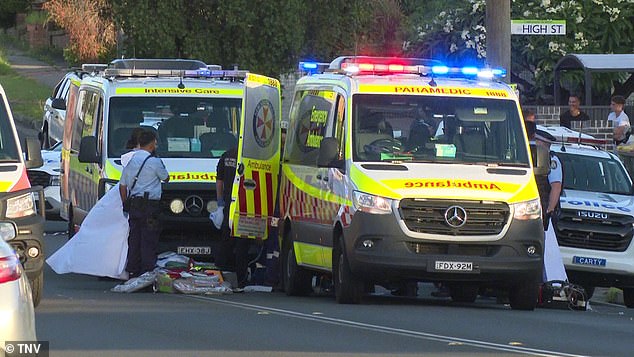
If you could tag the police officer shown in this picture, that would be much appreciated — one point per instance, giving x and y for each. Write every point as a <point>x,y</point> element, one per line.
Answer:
<point>232,252</point>
<point>141,183</point>
<point>549,186</point>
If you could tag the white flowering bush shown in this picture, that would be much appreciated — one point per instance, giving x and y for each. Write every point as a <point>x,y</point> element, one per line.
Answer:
<point>457,35</point>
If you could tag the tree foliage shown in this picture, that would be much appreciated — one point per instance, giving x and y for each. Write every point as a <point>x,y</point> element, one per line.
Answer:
<point>89,26</point>
<point>8,10</point>
<point>592,26</point>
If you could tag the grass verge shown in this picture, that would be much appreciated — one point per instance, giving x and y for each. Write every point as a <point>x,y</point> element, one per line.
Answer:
<point>26,96</point>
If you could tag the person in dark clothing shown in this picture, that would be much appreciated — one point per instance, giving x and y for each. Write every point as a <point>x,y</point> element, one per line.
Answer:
<point>141,181</point>
<point>232,252</point>
<point>573,113</point>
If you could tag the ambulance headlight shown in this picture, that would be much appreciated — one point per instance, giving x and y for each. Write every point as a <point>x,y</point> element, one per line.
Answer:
<point>21,206</point>
<point>212,206</point>
<point>528,210</point>
<point>371,204</point>
<point>177,206</point>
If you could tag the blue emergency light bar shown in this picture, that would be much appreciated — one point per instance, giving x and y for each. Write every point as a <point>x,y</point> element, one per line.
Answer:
<point>364,65</point>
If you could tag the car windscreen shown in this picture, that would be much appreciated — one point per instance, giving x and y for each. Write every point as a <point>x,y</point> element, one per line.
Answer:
<point>594,174</point>
<point>8,146</point>
<point>437,129</point>
<point>185,127</point>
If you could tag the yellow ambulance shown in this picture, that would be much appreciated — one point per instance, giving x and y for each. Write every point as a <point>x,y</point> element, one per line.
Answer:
<point>21,220</point>
<point>400,170</point>
<point>198,112</point>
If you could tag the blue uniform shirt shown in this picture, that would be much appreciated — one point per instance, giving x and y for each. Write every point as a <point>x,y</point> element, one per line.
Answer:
<point>149,178</point>
<point>556,174</point>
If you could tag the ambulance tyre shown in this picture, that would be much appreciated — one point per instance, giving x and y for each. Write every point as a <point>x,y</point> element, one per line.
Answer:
<point>348,288</point>
<point>37,287</point>
<point>523,296</point>
<point>628,297</point>
<point>297,281</point>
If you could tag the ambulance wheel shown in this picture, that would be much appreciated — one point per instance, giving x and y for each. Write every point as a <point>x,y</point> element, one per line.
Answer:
<point>297,281</point>
<point>464,292</point>
<point>37,287</point>
<point>348,288</point>
<point>524,296</point>
<point>628,297</point>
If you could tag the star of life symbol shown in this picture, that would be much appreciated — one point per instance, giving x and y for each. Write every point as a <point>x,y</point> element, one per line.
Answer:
<point>456,216</point>
<point>264,123</point>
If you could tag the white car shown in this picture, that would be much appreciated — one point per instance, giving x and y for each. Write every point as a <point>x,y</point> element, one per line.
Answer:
<point>47,176</point>
<point>595,225</point>
<point>55,110</point>
<point>16,303</point>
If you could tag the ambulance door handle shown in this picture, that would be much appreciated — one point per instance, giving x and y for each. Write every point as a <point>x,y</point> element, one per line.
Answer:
<point>249,184</point>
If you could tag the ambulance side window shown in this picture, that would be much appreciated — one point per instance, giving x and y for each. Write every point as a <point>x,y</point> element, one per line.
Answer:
<point>78,123</point>
<point>339,124</point>
<point>89,113</point>
<point>312,110</point>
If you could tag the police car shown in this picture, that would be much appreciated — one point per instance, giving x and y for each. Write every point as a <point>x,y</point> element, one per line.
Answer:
<point>595,225</point>
<point>373,192</point>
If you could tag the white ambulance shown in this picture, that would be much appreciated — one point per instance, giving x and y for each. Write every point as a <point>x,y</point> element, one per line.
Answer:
<point>21,220</point>
<point>401,170</point>
<point>197,112</point>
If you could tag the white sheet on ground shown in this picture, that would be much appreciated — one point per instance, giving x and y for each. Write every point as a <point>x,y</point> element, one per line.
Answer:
<point>100,247</point>
<point>553,262</point>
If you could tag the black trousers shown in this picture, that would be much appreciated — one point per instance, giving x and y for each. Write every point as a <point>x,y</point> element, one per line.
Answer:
<point>232,253</point>
<point>145,229</point>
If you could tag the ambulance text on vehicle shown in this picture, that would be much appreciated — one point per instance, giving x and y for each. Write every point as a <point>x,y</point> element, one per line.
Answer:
<point>404,170</point>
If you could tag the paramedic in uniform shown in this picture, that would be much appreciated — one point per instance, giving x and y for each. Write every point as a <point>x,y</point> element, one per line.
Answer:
<point>226,173</point>
<point>141,181</point>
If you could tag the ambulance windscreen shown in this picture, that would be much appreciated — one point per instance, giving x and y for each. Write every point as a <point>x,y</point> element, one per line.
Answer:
<point>185,127</point>
<point>437,129</point>
<point>8,146</point>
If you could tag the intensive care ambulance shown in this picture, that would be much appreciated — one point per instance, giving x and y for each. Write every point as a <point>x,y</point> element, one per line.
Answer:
<point>21,221</point>
<point>197,112</point>
<point>404,170</point>
<point>595,224</point>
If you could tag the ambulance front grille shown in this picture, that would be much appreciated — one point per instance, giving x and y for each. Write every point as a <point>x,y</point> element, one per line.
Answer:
<point>428,216</point>
<point>613,234</point>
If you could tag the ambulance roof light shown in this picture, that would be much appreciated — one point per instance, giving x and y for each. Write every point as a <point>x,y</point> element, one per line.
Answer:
<point>93,67</point>
<point>313,67</point>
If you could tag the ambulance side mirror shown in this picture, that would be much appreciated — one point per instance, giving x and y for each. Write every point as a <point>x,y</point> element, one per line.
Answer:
<point>88,150</point>
<point>541,160</point>
<point>329,154</point>
<point>33,153</point>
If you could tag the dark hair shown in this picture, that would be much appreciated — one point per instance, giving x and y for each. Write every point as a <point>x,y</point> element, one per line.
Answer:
<point>618,99</point>
<point>134,138</point>
<point>531,129</point>
<point>146,138</point>
<point>575,95</point>
<point>528,113</point>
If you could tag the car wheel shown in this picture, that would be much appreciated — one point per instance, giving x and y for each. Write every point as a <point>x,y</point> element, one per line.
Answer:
<point>628,297</point>
<point>297,281</point>
<point>46,139</point>
<point>464,292</point>
<point>37,288</point>
<point>348,288</point>
<point>524,296</point>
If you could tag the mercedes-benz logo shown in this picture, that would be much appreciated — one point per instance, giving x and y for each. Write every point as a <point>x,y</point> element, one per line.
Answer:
<point>456,216</point>
<point>194,205</point>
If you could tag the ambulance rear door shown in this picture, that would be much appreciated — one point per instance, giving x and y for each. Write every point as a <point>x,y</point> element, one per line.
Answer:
<point>254,191</point>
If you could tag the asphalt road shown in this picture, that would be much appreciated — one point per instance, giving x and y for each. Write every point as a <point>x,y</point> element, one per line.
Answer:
<point>79,316</point>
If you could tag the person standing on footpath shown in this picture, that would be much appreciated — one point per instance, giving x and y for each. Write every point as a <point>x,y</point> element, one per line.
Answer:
<point>232,252</point>
<point>574,113</point>
<point>141,182</point>
<point>620,120</point>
